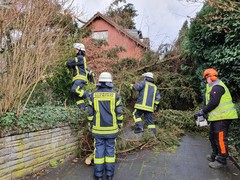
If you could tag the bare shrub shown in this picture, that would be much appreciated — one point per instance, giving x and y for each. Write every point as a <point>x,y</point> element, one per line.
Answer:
<point>33,32</point>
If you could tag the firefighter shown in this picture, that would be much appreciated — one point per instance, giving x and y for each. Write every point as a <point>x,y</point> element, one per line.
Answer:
<point>105,117</point>
<point>147,102</point>
<point>221,111</point>
<point>78,67</point>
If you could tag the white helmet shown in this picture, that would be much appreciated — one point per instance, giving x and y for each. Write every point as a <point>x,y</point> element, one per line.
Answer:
<point>105,77</point>
<point>79,46</point>
<point>148,74</point>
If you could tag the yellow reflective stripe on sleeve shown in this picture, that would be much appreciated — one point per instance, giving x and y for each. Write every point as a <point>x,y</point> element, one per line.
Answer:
<point>157,102</point>
<point>118,102</point>
<point>85,64</point>
<point>151,126</point>
<point>76,60</point>
<point>90,103</point>
<point>110,159</point>
<point>84,78</point>
<point>79,91</point>
<point>90,118</point>
<point>120,117</point>
<point>80,102</point>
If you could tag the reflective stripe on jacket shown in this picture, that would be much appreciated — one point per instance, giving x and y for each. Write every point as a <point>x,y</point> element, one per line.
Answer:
<point>105,111</point>
<point>226,109</point>
<point>148,96</point>
<point>78,66</point>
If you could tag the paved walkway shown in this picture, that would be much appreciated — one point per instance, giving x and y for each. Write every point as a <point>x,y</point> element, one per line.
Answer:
<point>188,163</point>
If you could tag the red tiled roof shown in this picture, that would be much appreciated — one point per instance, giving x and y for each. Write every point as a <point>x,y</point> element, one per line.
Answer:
<point>117,27</point>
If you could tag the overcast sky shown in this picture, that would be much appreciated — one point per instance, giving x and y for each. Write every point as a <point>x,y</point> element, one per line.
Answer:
<point>160,20</point>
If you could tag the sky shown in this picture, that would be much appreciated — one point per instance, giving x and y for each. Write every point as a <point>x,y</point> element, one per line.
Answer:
<point>159,20</point>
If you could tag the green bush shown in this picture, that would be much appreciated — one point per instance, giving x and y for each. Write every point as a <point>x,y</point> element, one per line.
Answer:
<point>214,42</point>
<point>60,83</point>
<point>183,120</point>
<point>39,118</point>
<point>234,131</point>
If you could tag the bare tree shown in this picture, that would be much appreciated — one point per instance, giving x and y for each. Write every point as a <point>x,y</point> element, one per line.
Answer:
<point>33,31</point>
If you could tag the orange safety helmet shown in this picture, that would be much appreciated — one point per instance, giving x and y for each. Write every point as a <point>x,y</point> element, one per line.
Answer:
<point>212,73</point>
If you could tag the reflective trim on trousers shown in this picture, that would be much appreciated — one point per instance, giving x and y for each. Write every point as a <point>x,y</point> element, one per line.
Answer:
<point>151,126</point>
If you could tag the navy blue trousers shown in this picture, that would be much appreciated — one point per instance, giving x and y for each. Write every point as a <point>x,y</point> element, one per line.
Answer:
<point>104,156</point>
<point>79,93</point>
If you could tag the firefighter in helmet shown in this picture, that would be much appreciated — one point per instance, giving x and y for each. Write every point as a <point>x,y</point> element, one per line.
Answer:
<point>221,111</point>
<point>147,102</point>
<point>105,117</point>
<point>79,69</point>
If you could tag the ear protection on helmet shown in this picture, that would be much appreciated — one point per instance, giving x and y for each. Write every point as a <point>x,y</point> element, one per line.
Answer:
<point>213,78</point>
<point>212,73</point>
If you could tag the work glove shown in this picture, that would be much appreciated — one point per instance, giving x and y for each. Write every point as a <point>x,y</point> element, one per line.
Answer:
<point>199,113</point>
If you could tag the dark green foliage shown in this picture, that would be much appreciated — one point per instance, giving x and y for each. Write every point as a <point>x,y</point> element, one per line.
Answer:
<point>234,131</point>
<point>148,58</point>
<point>126,63</point>
<point>176,92</point>
<point>61,83</point>
<point>214,42</point>
<point>42,95</point>
<point>182,41</point>
<point>181,120</point>
<point>39,118</point>
<point>122,15</point>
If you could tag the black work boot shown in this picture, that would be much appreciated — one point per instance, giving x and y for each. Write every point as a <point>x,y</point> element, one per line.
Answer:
<point>220,162</point>
<point>138,130</point>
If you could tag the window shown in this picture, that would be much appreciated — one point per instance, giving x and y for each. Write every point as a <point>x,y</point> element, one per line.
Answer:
<point>100,35</point>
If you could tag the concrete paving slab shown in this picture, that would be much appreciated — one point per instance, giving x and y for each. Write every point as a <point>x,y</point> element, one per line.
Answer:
<point>187,163</point>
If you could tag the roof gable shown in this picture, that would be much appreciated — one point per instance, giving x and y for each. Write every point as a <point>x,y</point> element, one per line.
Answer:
<point>116,26</point>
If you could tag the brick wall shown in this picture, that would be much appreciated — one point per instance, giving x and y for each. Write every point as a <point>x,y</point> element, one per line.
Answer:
<point>28,153</point>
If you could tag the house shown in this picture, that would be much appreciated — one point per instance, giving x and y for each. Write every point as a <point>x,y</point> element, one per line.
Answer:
<point>103,28</point>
